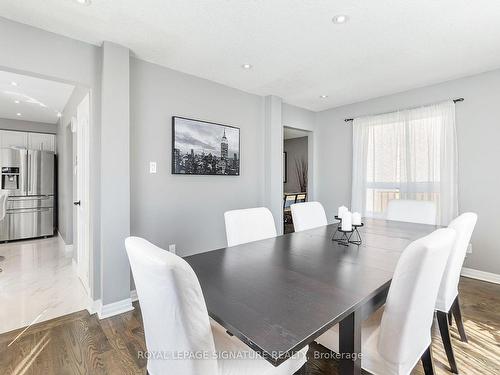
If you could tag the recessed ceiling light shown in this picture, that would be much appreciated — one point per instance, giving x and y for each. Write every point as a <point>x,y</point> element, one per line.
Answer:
<point>59,114</point>
<point>17,101</point>
<point>83,2</point>
<point>247,66</point>
<point>323,96</point>
<point>18,114</point>
<point>13,83</point>
<point>340,18</point>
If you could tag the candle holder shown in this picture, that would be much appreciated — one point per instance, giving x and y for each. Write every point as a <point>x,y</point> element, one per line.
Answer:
<point>355,233</point>
<point>345,237</point>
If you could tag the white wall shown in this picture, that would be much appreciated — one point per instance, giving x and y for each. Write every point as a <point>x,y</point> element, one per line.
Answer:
<point>298,118</point>
<point>478,129</point>
<point>188,210</point>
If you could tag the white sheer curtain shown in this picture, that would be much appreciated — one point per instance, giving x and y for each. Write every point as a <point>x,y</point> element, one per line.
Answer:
<point>409,154</point>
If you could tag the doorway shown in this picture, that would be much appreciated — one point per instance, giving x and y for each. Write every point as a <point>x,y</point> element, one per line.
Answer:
<point>297,168</point>
<point>43,276</point>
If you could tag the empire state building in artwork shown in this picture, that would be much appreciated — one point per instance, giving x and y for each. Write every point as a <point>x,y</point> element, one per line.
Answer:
<point>224,146</point>
<point>223,165</point>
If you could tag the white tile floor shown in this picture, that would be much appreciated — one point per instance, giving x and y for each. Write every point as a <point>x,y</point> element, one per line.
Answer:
<point>38,280</point>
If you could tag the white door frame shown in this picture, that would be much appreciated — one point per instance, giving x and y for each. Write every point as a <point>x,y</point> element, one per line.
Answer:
<point>310,159</point>
<point>81,167</point>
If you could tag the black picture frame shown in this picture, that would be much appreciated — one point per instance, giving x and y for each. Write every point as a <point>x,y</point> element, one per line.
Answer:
<point>233,170</point>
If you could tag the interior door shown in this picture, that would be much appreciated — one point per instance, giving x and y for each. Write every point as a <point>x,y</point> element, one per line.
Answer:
<point>81,201</point>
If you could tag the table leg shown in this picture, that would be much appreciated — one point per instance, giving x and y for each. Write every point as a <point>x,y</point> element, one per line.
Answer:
<point>350,344</point>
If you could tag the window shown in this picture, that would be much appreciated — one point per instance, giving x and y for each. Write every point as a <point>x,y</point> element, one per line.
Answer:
<point>408,154</point>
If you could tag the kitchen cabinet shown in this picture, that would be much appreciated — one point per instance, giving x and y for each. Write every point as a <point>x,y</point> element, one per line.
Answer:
<point>42,142</point>
<point>13,139</point>
<point>34,141</point>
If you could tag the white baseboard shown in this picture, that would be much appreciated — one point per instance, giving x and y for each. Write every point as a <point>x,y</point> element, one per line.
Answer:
<point>67,248</point>
<point>481,275</point>
<point>115,308</point>
<point>133,295</point>
<point>94,306</point>
<point>112,309</point>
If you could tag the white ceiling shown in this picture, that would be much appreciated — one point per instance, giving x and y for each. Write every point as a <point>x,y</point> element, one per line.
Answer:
<point>39,99</point>
<point>296,51</point>
<point>290,133</point>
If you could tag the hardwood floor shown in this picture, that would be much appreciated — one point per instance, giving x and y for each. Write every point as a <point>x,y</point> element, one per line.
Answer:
<point>80,343</point>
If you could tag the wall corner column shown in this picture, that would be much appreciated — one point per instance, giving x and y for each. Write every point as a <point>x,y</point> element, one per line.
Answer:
<point>115,179</point>
<point>273,158</point>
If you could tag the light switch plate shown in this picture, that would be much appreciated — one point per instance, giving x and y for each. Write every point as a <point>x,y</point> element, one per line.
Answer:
<point>469,248</point>
<point>152,167</point>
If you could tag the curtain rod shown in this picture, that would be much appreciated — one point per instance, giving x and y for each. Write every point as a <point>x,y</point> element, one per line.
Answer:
<point>454,101</point>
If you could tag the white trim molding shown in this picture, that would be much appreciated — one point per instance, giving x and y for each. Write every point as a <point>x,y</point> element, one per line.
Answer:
<point>115,308</point>
<point>94,306</point>
<point>481,275</point>
<point>67,247</point>
<point>106,311</point>
<point>133,295</point>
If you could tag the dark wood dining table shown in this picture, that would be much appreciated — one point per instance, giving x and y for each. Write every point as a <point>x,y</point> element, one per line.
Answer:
<point>278,295</point>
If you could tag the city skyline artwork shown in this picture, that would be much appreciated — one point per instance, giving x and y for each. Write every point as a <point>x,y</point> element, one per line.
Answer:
<point>204,148</point>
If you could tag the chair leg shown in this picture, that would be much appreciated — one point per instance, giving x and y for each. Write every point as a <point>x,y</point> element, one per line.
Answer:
<point>442,319</point>
<point>458,319</point>
<point>427,361</point>
<point>450,317</point>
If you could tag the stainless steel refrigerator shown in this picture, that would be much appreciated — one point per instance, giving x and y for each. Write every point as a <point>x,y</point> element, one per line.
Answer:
<point>28,178</point>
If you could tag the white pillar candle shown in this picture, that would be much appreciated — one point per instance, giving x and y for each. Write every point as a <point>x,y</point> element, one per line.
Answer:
<point>347,221</point>
<point>342,210</point>
<point>356,218</point>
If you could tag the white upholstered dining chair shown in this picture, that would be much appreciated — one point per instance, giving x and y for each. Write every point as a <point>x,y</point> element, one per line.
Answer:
<point>176,321</point>
<point>395,338</point>
<point>247,225</point>
<point>411,211</point>
<point>447,303</point>
<point>308,215</point>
